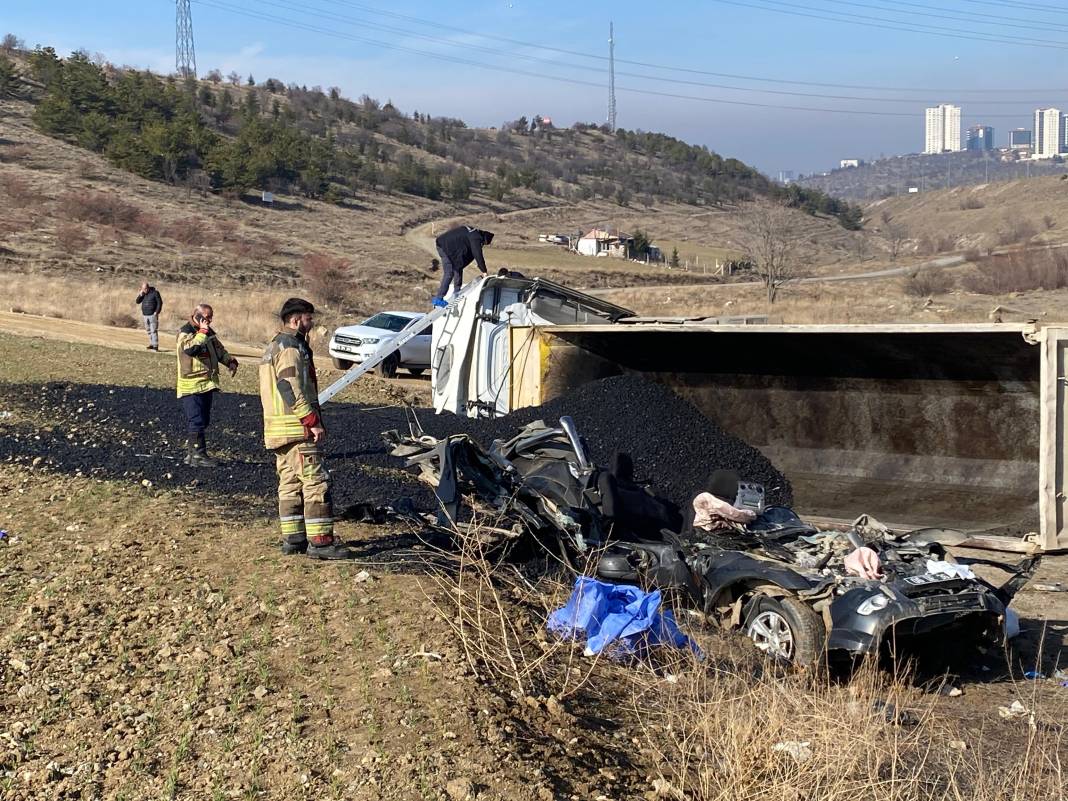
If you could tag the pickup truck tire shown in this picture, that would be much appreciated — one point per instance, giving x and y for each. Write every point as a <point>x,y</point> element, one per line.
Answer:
<point>388,366</point>
<point>341,364</point>
<point>416,371</point>
<point>787,629</point>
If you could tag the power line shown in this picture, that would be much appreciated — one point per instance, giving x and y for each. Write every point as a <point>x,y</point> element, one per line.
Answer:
<point>971,16</point>
<point>544,76</point>
<point>511,56</point>
<point>692,71</point>
<point>896,25</point>
<point>185,59</point>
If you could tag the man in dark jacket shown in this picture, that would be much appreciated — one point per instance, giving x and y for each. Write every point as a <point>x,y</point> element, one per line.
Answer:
<point>457,248</point>
<point>151,305</point>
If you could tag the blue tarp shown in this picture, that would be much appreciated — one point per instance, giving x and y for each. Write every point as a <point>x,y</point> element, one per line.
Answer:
<point>619,615</point>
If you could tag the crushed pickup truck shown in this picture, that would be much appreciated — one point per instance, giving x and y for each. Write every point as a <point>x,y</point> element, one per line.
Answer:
<point>778,579</point>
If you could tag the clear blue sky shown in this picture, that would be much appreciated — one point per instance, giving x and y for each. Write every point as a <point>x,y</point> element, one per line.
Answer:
<point>325,43</point>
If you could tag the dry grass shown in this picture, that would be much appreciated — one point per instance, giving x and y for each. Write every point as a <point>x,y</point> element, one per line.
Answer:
<point>1019,272</point>
<point>733,726</point>
<point>249,316</point>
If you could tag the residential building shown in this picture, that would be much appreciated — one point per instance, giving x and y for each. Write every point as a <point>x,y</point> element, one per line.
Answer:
<point>1049,133</point>
<point>980,138</point>
<point>609,242</point>
<point>849,163</point>
<point>1020,139</point>
<point>942,129</point>
<point>786,176</point>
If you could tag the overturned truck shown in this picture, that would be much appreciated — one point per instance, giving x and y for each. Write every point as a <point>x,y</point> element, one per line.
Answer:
<point>951,426</point>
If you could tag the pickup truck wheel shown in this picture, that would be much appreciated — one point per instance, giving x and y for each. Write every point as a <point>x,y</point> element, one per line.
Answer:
<point>787,630</point>
<point>388,367</point>
<point>341,364</point>
<point>416,371</point>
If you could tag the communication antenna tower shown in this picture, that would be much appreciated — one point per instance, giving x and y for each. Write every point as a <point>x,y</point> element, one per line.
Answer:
<point>611,78</point>
<point>185,59</point>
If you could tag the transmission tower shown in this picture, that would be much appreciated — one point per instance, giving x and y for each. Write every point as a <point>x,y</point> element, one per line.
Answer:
<point>185,59</point>
<point>611,79</point>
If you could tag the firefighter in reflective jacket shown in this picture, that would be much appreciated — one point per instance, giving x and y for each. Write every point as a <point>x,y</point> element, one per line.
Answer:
<point>293,429</point>
<point>199,354</point>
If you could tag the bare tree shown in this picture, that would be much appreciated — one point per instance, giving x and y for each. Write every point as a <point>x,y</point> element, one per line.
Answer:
<point>774,245</point>
<point>215,76</point>
<point>11,43</point>
<point>234,78</point>
<point>896,234</point>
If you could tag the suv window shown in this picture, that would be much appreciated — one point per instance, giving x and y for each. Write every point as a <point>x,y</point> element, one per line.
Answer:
<point>390,322</point>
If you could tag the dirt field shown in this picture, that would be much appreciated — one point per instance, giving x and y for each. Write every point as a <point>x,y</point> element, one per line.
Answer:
<point>155,644</point>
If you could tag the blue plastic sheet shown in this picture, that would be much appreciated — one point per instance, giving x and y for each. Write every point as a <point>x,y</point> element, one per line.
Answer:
<point>619,617</point>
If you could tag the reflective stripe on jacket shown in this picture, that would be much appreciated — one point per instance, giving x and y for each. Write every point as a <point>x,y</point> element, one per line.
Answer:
<point>199,356</point>
<point>289,389</point>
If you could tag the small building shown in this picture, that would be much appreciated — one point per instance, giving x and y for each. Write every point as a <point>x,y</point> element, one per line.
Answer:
<point>609,242</point>
<point>845,164</point>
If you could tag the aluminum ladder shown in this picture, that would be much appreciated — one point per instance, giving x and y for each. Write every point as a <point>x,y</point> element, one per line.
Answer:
<point>393,345</point>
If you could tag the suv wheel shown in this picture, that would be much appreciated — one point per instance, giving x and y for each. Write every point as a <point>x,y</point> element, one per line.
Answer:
<point>341,364</point>
<point>388,367</point>
<point>787,630</point>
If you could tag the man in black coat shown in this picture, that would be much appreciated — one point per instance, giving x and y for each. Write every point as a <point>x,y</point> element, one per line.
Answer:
<point>457,248</point>
<point>151,305</point>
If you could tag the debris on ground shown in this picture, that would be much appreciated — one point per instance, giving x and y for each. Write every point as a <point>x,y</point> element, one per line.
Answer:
<point>1048,586</point>
<point>1014,710</point>
<point>799,751</point>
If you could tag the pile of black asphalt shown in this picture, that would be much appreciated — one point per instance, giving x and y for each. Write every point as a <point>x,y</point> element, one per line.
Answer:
<point>136,434</point>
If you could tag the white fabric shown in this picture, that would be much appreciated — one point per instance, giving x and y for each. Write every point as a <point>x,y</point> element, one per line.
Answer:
<point>936,567</point>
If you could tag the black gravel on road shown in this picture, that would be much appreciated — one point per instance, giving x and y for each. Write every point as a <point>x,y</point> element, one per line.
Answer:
<point>137,433</point>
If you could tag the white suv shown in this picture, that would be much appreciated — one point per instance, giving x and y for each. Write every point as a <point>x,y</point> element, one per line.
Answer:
<point>352,344</point>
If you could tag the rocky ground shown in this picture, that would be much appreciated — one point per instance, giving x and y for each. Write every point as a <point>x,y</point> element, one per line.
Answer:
<point>154,644</point>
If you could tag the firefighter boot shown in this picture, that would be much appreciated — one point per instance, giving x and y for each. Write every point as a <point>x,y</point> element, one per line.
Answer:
<point>295,543</point>
<point>198,452</point>
<point>329,548</point>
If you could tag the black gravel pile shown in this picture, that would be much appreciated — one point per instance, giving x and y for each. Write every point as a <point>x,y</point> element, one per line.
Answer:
<point>137,434</point>
<point>674,446</point>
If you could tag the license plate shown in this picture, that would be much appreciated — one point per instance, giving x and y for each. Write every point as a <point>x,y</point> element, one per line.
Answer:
<point>926,578</point>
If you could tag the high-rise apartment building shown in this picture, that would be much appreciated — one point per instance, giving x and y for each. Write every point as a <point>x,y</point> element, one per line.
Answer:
<point>1049,133</point>
<point>980,137</point>
<point>1020,139</point>
<point>942,129</point>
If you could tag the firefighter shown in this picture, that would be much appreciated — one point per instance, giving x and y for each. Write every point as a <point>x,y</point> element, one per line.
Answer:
<point>199,354</point>
<point>293,430</point>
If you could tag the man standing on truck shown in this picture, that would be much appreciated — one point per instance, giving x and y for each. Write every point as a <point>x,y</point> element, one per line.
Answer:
<point>151,305</point>
<point>457,248</point>
<point>293,430</point>
<point>199,353</point>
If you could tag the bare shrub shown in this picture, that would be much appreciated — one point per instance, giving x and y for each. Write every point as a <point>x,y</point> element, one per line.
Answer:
<point>71,237</point>
<point>190,231</point>
<point>86,170</point>
<point>227,230</point>
<point>110,235</point>
<point>971,202</point>
<point>102,208</point>
<point>1014,230</point>
<point>1019,272</point>
<point>121,320</point>
<point>1049,222</point>
<point>925,283</point>
<point>149,224</point>
<point>327,276</point>
<point>972,254</point>
<point>19,192</point>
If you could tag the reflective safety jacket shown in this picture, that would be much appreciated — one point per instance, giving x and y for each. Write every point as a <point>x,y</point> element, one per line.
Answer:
<point>289,390</point>
<point>199,356</point>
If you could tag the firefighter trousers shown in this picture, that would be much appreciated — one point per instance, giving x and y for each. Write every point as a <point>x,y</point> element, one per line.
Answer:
<point>305,506</point>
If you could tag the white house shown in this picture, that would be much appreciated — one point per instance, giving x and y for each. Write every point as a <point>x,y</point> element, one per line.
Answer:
<point>605,242</point>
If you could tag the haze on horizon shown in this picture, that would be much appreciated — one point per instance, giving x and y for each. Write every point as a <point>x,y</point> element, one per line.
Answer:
<point>496,60</point>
